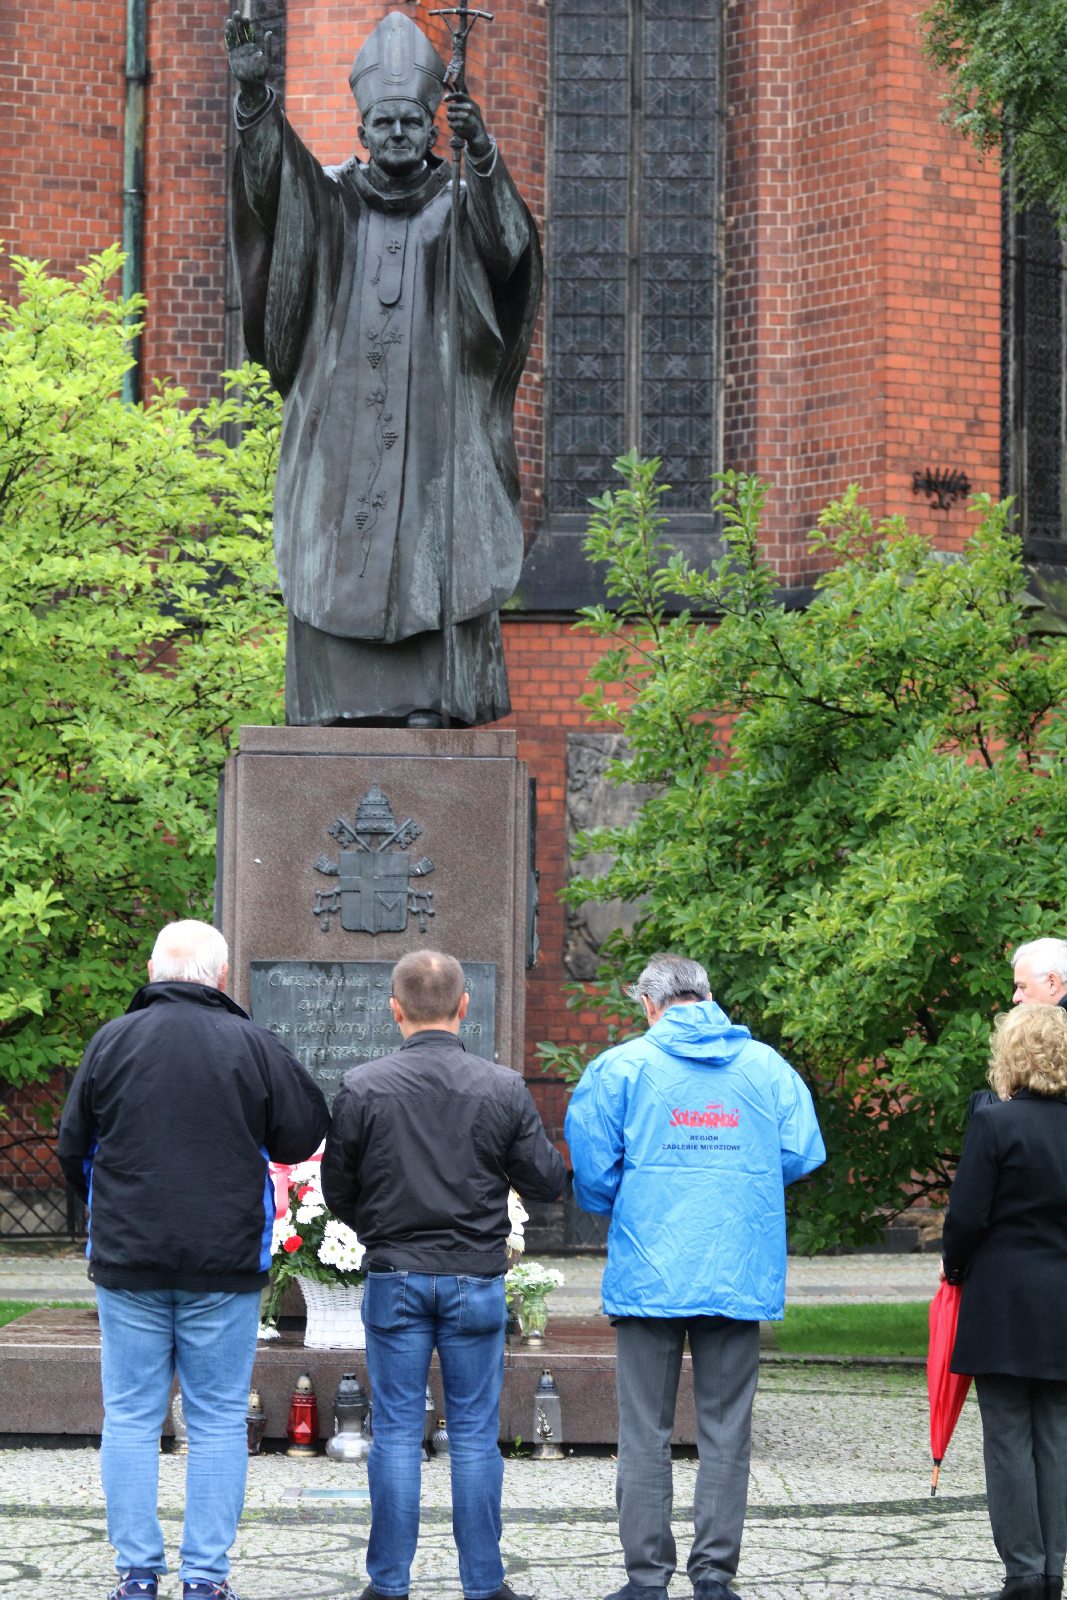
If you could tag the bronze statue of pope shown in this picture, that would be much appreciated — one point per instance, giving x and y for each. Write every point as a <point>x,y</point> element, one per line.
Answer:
<point>344,275</point>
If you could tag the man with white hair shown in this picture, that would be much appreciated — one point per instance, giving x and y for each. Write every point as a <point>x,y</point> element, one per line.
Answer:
<point>687,1137</point>
<point>167,1132</point>
<point>1040,973</point>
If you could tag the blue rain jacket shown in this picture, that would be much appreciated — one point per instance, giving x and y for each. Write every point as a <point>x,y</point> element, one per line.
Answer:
<point>688,1137</point>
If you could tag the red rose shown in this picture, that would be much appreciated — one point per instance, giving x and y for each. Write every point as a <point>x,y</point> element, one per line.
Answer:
<point>306,1189</point>
<point>293,1242</point>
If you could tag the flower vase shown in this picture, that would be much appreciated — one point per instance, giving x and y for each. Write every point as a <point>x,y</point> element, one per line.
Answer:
<point>533,1317</point>
<point>334,1315</point>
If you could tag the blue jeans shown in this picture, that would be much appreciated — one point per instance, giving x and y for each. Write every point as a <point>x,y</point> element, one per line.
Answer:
<point>406,1315</point>
<point>210,1340</point>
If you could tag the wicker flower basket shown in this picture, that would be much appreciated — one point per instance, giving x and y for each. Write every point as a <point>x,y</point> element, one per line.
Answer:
<point>335,1319</point>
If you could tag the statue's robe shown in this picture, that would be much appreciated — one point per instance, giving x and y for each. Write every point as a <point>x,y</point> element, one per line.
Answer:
<point>344,294</point>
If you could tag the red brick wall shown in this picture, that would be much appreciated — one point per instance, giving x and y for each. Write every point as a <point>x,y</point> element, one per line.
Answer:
<point>185,181</point>
<point>862,245</point>
<point>61,117</point>
<point>548,669</point>
<point>862,291</point>
<point>28,1159</point>
<point>942,269</point>
<point>862,337</point>
<point>62,107</point>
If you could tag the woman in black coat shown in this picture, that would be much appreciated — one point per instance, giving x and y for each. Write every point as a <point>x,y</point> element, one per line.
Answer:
<point>1005,1240</point>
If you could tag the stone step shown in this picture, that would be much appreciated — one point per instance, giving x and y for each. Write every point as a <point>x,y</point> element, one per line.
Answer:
<point>50,1379</point>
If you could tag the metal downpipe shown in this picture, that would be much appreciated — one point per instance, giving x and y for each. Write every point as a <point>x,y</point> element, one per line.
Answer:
<point>133,176</point>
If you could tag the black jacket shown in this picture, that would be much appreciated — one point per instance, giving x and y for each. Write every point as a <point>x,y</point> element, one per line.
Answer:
<point>423,1148</point>
<point>1005,1239</point>
<point>167,1131</point>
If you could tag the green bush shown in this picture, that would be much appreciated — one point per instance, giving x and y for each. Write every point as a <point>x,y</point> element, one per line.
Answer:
<point>140,626</point>
<point>860,807</point>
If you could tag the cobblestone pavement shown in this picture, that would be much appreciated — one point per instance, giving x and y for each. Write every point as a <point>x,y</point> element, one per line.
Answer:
<point>839,1506</point>
<point>839,1497</point>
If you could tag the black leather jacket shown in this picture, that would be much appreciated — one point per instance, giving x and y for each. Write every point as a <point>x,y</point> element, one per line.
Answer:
<point>423,1148</point>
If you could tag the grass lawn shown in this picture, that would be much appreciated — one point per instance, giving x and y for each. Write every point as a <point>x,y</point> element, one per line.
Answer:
<point>852,1330</point>
<point>10,1309</point>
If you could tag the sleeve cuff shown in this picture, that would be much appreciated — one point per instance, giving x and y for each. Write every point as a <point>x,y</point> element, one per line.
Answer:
<point>248,119</point>
<point>475,165</point>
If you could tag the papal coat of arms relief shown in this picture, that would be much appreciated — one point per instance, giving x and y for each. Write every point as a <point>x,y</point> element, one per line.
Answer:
<point>374,868</point>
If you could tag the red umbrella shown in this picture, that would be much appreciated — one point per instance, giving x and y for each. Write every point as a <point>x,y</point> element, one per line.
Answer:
<point>947,1390</point>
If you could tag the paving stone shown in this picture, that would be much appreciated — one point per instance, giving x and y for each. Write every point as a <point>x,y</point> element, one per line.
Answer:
<point>839,1507</point>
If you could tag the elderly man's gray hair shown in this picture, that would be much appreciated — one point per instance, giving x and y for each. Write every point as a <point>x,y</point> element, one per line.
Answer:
<point>668,978</point>
<point>189,952</point>
<point>1044,956</point>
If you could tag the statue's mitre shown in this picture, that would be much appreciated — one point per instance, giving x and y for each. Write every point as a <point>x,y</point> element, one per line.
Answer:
<point>397,62</point>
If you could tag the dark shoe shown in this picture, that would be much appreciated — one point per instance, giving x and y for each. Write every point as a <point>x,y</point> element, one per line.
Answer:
<point>207,1589</point>
<point>1053,1588</point>
<point>424,719</point>
<point>639,1591</point>
<point>506,1592</point>
<point>1028,1588</point>
<point>712,1589</point>
<point>138,1584</point>
<point>371,1593</point>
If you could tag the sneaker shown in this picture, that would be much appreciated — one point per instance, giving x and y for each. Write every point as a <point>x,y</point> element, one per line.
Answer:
<point>712,1589</point>
<point>207,1589</point>
<point>136,1585</point>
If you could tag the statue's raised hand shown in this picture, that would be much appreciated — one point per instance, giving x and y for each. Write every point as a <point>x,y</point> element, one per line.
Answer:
<point>465,121</point>
<point>250,62</point>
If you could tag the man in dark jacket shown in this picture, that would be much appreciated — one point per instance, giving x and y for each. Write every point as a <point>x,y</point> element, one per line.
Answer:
<point>424,1146</point>
<point>170,1123</point>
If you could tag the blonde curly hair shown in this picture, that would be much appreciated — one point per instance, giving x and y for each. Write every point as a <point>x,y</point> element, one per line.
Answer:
<point>1029,1051</point>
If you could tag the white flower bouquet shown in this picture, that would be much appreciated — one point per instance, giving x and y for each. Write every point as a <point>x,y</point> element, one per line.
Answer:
<point>308,1241</point>
<point>531,1277</point>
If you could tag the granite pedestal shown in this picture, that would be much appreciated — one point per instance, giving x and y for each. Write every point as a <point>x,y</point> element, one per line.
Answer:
<point>341,849</point>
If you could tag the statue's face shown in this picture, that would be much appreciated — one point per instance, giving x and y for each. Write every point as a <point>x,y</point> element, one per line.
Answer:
<point>398,133</point>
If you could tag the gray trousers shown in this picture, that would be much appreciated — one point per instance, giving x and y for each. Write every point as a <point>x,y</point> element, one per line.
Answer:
<point>648,1365</point>
<point>1024,1440</point>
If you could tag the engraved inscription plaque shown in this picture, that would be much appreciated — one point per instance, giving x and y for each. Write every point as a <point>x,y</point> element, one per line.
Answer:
<point>334,1014</point>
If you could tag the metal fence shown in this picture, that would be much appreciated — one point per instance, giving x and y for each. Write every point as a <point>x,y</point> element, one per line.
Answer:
<point>35,1202</point>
